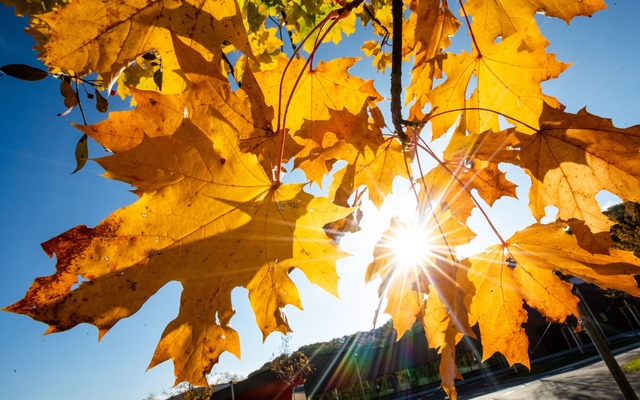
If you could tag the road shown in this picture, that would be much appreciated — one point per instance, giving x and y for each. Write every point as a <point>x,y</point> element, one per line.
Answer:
<point>591,382</point>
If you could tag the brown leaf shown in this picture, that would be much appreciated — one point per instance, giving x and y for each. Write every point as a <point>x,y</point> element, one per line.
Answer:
<point>102,105</point>
<point>70,97</point>
<point>24,72</point>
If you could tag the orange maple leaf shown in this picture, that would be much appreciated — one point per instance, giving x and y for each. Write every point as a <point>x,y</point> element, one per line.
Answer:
<point>570,160</point>
<point>466,166</point>
<point>372,160</point>
<point>427,33</point>
<point>105,36</point>
<point>207,215</point>
<point>523,271</point>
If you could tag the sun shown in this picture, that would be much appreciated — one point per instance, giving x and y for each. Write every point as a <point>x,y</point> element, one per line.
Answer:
<point>409,245</point>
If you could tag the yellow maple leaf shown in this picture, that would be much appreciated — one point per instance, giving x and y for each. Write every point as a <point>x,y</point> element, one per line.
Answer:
<point>508,84</point>
<point>105,36</point>
<point>376,170</point>
<point>209,92</point>
<point>469,162</point>
<point>446,317</point>
<point>372,160</point>
<point>328,86</point>
<point>413,256</point>
<point>570,160</point>
<point>325,95</point>
<point>523,271</point>
<point>207,216</point>
<point>428,29</point>
<point>500,19</point>
<point>431,288</point>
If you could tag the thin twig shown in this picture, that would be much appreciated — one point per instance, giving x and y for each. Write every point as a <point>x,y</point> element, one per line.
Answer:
<point>374,19</point>
<point>279,24</point>
<point>465,188</point>
<point>76,79</point>
<point>293,46</point>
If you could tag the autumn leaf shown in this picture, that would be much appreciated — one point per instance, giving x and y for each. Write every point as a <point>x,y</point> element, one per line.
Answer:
<point>523,271</point>
<point>207,216</point>
<point>570,160</point>
<point>34,7</point>
<point>372,160</point>
<point>375,170</point>
<point>406,281</point>
<point>161,114</point>
<point>464,167</point>
<point>105,36</point>
<point>428,33</point>
<point>220,107</point>
<point>310,103</point>
<point>508,84</point>
<point>328,86</point>
<point>500,19</point>
<point>24,72</point>
<point>432,290</point>
<point>446,317</point>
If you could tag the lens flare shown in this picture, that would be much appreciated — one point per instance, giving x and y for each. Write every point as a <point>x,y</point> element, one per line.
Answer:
<point>410,246</point>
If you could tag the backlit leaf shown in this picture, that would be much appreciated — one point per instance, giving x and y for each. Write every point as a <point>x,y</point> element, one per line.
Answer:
<point>104,36</point>
<point>570,160</point>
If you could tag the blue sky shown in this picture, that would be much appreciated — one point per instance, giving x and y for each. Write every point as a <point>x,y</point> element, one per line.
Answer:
<point>41,199</point>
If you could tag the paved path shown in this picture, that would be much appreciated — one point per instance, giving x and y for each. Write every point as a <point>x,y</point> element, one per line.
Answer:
<point>592,382</point>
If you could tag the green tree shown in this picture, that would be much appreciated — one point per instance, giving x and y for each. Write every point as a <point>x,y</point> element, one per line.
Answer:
<point>626,231</point>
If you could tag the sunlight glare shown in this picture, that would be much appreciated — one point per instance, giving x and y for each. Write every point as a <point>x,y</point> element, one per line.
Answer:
<point>410,246</point>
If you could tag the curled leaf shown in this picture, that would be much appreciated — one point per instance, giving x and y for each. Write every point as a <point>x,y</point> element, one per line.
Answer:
<point>82,153</point>
<point>101,102</point>
<point>24,72</point>
<point>70,98</point>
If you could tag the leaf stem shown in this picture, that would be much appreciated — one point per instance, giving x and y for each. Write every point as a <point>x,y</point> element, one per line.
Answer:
<point>432,116</point>
<point>231,68</point>
<point>334,16</point>
<point>396,70</point>
<point>473,37</point>
<point>465,187</point>
<point>433,213</point>
<point>76,79</point>
<point>293,46</point>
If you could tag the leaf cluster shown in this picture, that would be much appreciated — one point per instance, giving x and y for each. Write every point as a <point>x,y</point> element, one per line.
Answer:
<point>229,92</point>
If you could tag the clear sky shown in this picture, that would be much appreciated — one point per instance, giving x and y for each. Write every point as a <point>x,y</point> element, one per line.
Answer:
<point>41,199</point>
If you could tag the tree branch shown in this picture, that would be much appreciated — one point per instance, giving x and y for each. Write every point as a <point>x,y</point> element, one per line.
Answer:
<point>396,70</point>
